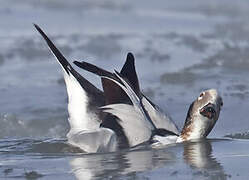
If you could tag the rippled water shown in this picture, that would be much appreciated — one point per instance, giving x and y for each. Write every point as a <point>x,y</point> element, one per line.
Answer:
<point>180,48</point>
<point>55,159</point>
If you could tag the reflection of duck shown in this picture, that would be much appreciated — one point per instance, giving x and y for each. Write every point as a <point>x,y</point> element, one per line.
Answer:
<point>119,164</point>
<point>99,125</point>
<point>199,156</point>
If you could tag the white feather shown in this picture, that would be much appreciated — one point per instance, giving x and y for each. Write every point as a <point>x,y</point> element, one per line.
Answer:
<point>79,118</point>
<point>162,141</point>
<point>92,141</point>
<point>160,119</point>
<point>135,127</point>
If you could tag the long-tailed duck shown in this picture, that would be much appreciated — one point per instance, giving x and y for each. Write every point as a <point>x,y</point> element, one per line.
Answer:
<point>121,116</point>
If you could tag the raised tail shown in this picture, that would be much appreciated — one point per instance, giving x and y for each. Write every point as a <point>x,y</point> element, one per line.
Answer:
<point>83,97</point>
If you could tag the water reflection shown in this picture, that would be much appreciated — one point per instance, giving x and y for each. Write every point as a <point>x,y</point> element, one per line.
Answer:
<point>115,165</point>
<point>196,155</point>
<point>200,158</point>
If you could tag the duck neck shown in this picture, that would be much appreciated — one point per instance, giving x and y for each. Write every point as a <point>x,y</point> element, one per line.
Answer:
<point>195,129</point>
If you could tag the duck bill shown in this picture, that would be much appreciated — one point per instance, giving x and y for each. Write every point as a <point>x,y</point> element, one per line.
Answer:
<point>208,111</point>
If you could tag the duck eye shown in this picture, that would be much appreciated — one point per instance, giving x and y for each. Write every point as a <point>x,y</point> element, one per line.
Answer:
<point>201,95</point>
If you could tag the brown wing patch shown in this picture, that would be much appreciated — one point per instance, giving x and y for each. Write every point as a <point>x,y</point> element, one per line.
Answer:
<point>113,93</point>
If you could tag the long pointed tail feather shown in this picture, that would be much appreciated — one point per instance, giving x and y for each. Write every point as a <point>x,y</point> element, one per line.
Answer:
<point>89,87</point>
<point>62,60</point>
<point>83,97</point>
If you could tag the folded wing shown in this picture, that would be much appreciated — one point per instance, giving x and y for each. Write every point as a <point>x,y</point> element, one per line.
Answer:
<point>134,120</point>
<point>115,94</point>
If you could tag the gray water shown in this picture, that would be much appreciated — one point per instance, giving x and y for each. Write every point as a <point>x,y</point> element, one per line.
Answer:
<point>181,48</point>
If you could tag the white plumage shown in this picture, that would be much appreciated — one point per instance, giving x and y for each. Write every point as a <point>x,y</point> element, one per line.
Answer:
<point>99,140</point>
<point>79,118</point>
<point>134,125</point>
<point>160,119</point>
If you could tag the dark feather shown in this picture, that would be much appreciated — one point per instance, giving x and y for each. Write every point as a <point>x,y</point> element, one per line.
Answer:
<point>112,122</point>
<point>113,93</point>
<point>163,132</point>
<point>129,72</point>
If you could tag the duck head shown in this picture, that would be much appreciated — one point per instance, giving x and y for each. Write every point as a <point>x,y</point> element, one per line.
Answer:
<point>202,116</point>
